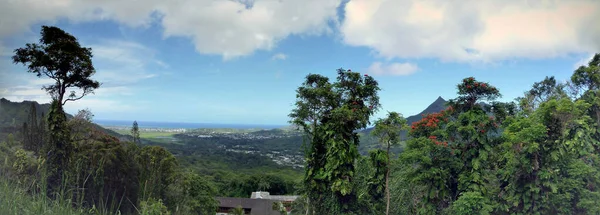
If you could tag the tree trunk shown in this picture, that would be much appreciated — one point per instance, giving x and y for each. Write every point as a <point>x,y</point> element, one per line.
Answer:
<point>307,205</point>
<point>387,178</point>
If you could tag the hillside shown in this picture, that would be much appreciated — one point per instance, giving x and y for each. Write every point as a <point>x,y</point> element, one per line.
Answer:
<point>14,114</point>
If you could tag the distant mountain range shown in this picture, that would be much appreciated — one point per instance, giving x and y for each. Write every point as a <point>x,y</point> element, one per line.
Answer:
<point>13,114</point>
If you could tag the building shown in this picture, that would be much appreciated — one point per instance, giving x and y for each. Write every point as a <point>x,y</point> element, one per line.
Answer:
<point>259,203</point>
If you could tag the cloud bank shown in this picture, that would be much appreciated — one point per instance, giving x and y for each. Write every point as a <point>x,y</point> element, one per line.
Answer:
<point>465,30</point>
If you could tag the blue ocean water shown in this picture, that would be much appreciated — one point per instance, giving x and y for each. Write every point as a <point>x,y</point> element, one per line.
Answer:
<point>148,124</point>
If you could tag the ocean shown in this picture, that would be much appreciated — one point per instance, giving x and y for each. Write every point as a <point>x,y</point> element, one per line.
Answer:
<point>173,125</point>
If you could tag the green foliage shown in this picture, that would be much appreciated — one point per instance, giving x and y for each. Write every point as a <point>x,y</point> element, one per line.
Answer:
<point>471,203</point>
<point>192,194</point>
<point>388,130</point>
<point>77,168</point>
<point>237,211</point>
<point>108,175</point>
<point>588,77</point>
<point>157,171</point>
<point>59,150</point>
<point>378,179</point>
<point>16,200</point>
<point>330,113</point>
<point>152,206</point>
<point>33,132</point>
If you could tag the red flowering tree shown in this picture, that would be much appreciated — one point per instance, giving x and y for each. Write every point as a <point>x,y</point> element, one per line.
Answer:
<point>449,150</point>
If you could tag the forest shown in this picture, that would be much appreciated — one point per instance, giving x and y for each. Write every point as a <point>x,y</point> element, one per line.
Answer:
<point>536,155</point>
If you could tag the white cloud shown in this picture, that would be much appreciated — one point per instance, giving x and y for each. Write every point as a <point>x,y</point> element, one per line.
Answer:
<point>279,56</point>
<point>396,69</point>
<point>227,28</point>
<point>119,66</point>
<point>124,62</point>
<point>583,61</point>
<point>486,30</point>
<point>100,106</point>
<point>469,30</point>
<point>25,93</point>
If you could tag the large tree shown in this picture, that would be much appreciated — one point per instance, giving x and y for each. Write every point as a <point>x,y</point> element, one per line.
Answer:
<point>330,113</point>
<point>59,56</point>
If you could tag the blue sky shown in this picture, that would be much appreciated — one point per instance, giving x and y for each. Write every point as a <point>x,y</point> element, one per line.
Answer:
<point>240,61</point>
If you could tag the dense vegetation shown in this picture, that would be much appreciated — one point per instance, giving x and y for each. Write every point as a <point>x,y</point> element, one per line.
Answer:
<point>538,155</point>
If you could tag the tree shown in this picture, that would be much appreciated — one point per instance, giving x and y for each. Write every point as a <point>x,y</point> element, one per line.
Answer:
<point>388,131</point>
<point>59,150</point>
<point>330,113</point>
<point>192,194</point>
<point>588,79</point>
<point>157,171</point>
<point>59,56</point>
<point>135,132</point>
<point>588,76</point>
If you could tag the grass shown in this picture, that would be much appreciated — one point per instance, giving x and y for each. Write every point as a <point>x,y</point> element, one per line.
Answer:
<point>154,136</point>
<point>148,134</point>
<point>14,200</point>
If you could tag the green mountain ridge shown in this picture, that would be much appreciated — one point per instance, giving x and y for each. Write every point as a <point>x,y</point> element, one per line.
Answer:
<point>14,114</point>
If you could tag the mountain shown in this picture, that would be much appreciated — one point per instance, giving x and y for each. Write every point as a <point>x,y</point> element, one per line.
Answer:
<point>14,114</point>
<point>438,105</point>
<point>369,142</point>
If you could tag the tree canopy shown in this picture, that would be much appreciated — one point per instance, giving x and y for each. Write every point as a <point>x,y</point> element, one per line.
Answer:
<point>59,56</point>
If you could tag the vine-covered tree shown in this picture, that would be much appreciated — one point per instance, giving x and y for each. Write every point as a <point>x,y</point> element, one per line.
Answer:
<point>330,113</point>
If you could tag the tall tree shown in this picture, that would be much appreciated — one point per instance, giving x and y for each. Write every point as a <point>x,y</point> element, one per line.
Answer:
<point>135,132</point>
<point>59,56</point>
<point>388,131</point>
<point>330,113</point>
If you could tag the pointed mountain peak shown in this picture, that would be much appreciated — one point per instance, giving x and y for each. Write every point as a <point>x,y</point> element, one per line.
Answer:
<point>439,99</point>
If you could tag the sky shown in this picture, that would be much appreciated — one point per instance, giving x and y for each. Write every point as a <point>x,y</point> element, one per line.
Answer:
<point>240,61</point>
